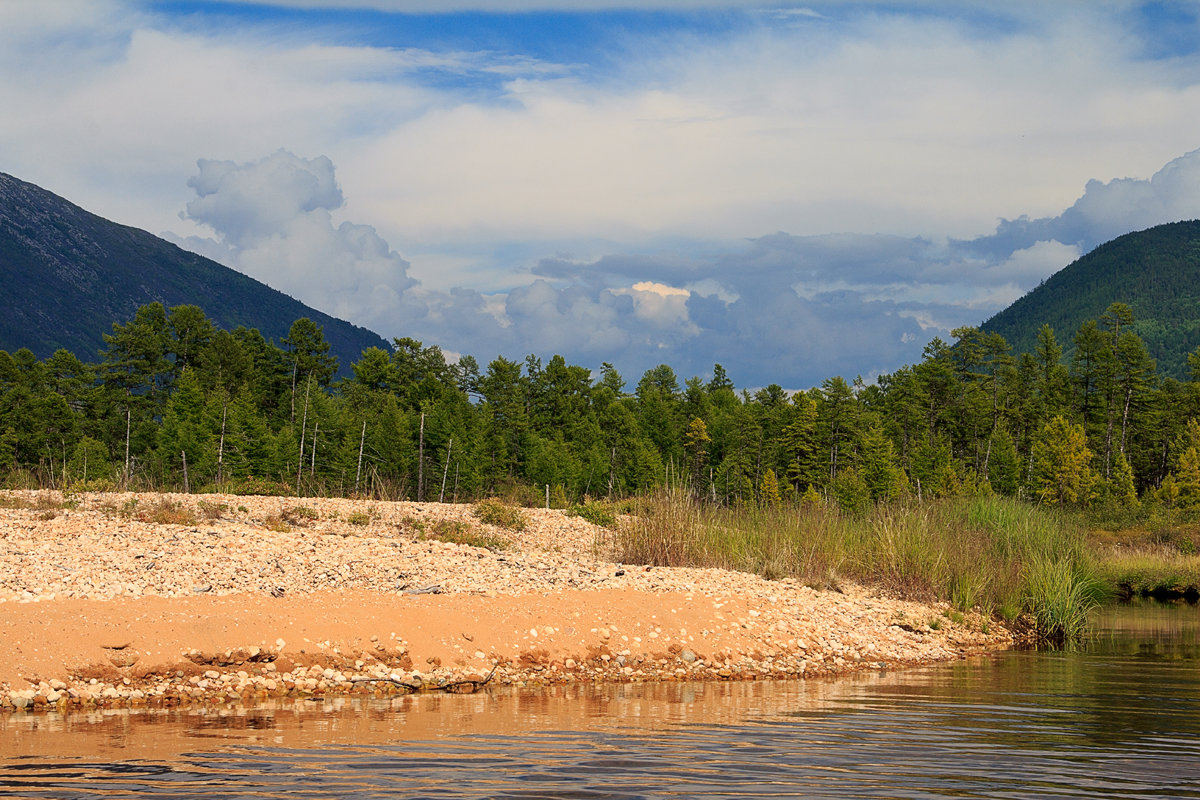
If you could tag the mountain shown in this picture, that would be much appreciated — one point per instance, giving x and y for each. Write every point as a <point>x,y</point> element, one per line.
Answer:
<point>1156,272</point>
<point>68,275</point>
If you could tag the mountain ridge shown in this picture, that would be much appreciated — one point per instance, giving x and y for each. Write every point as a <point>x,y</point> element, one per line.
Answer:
<point>1155,271</point>
<point>70,274</point>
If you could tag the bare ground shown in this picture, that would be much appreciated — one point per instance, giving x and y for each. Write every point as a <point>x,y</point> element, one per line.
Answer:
<point>122,599</point>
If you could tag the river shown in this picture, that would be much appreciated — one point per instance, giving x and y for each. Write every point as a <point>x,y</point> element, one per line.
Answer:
<point>1117,717</point>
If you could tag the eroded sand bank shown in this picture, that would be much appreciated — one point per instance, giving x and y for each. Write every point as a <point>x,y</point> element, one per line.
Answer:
<point>115,602</point>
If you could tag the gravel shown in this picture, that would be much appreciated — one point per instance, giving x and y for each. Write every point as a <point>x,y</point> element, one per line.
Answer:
<point>108,546</point>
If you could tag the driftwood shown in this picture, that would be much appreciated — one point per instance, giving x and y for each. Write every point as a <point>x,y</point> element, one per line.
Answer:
<point>474,685</point>
<point>435,589</point>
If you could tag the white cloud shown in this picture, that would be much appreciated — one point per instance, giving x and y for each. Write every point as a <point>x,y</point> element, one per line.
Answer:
<point>1107,210</point>
<point>273,220</point>
<point>604,211</point>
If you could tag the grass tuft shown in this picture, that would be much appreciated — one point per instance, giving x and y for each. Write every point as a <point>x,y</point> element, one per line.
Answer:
<point>457,532</point>
<point>974,553</point>
<point>493,512</point>
<point>601,514</point>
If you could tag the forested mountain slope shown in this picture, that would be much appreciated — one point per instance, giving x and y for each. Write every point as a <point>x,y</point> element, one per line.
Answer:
<point>67,275</point>
<point>1156,272</point>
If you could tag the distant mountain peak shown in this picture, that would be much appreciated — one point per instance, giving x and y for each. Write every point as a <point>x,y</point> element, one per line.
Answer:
<point>68,275</point>
<point>1155,271</point>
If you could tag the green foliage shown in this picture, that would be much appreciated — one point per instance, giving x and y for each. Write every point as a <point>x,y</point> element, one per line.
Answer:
<point>768,490</point>
<point>1004,468</point>
<point>492,512</point>
<point>970,419</point>
<point>1121,486</point>
<point>983,554</point>
<point>851,492</point>
<point>1156,272</point>
<point>1062,464</point>
<point>601,514</point>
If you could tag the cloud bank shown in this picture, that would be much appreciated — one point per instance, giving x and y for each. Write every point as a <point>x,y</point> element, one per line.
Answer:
<point>794,191</point>
<point>780,308</point>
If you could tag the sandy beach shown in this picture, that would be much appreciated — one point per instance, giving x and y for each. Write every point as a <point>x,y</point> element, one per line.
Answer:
<point>146,600</point>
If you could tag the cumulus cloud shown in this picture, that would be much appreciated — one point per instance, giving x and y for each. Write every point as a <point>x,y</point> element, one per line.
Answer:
<point>616,210</point>
<point>1107,210</point>
<point>273,219</point>
<point>783,308</point>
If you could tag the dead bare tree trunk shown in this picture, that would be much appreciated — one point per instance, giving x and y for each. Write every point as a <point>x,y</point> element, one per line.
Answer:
<point>313,469</point>
<point>221,447</point>
<point>186,488</point>
<point>445,471</point>
<point>361,441</point>
<point>421,461</point>
<point>303,430</point>
<point>125,480</point>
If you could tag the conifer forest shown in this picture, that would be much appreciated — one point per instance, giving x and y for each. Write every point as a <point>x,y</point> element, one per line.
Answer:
<point>175,403</point>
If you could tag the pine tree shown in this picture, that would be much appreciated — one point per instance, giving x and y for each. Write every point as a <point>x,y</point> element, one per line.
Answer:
<point>1187,466</point>
<point>882,474</point>
<point>1062,464</point>
<point>851,491</point>
<point>695,443</point>
<point>1121,484</point>
<point>768,490</point>
<point>800,443</point>
<point>184,436</point>
<point>1004,468</point>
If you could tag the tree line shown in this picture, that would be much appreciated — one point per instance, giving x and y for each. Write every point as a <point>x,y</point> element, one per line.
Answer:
<point>175,402</point>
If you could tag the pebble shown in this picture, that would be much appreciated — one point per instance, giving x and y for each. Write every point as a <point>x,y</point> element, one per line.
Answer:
<point>94,552</point>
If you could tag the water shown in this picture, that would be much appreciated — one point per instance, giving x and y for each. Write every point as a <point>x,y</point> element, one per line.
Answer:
<point>1119,718</point>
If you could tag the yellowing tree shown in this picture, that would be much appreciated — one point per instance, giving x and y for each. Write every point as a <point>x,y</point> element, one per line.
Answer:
<point>1062,464</point>
<point>768,490</point>
<point>1121,483</point>
<point>1187,467</point>
<point>696,441</point>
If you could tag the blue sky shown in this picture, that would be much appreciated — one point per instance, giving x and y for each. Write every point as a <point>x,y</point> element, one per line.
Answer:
<point>792,190</point>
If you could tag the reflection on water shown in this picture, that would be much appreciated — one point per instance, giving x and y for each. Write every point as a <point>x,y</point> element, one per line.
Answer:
<point>1119,718</point>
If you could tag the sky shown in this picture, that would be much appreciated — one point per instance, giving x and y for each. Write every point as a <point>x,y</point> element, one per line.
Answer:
<point>794,191</point>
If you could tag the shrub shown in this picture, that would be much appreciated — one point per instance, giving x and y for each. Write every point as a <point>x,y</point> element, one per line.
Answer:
<point>210,510</point>
<point>359,518</point>
<point>493,512</point>
<point>277,523</point>
<point>299,515</point>
<point>600,514</point>
<point>456,532</point>
<point>169,513</point>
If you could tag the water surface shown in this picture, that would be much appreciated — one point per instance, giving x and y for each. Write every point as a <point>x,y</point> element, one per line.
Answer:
<point>1118,718</point>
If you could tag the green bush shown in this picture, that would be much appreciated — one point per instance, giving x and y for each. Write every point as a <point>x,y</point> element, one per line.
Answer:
<point>457,532</point>
<point>493,512</point>
<point>600,514</point>
<point>986,552</point>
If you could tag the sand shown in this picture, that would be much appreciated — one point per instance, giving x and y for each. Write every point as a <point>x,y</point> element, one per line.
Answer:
<point>129,600</point>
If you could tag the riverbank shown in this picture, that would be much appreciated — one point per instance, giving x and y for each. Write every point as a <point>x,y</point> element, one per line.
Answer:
<point>129,600</point>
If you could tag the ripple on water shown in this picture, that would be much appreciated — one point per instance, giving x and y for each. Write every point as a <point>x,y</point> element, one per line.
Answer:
<point>1118,719</point>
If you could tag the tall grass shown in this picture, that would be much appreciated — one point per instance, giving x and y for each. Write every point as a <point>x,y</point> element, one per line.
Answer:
<point>991,553</point>
<point>1152,570</point>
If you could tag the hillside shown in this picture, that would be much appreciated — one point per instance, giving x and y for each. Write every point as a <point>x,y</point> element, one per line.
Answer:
<point>1155,271</point>
<point>68,275</point>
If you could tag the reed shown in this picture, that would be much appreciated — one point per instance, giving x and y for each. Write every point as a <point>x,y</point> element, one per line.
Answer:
<point>1151,570</point>
<point>1060,594</point>
<point>989,553</point>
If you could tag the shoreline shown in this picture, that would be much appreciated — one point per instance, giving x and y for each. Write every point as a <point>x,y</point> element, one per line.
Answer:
<point>115,603</point>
